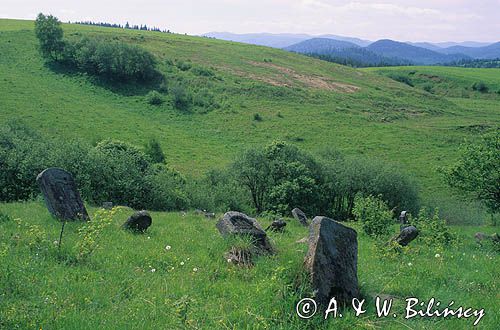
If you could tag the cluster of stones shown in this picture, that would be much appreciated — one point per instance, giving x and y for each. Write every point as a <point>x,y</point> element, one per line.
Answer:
<point>331,259</point>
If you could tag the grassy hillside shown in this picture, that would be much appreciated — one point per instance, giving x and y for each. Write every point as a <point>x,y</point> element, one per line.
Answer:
<point>309,102</point>
<point>133,281</point>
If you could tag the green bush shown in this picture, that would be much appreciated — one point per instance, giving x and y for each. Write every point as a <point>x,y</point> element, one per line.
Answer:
<point>154,98</point>
<point>433,230</point>
<point>374,215</point>
<point>111,171</point>
<point>111,59</point>
<point>181,97</point>
<point>257,117</point>
<point>480,87</point>
<point>154,151</point>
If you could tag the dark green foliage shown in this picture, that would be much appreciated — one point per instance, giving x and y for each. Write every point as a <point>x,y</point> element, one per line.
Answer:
<point>5,217</point>
<point>154,151</point>
<point>346,177</point>
<point>154,98</point>
<point>111,59</point>
<point>202,71</point>
<point>257,117</point>
<point>432,229</point>
<point>478,171</point>
<point>374,214</point>
<point>218,191</point>
<point>181,98</point>
<point>480,87</point>
<point>182,65</point>
<point>111,171</point>
<point>401,77</point>
<point>49,32</point>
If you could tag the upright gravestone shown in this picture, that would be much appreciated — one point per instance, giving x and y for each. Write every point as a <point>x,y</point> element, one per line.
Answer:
<point>331,261</point>
<point>407,234</point>
<point>403,220</point>
<point>300,215</point>
<point>240,224</point>
<point>61,195</point>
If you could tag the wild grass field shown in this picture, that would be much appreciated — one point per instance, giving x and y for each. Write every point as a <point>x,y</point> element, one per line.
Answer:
<point>175,276</point>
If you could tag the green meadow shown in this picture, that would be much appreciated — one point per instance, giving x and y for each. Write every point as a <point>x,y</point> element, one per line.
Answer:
<point>413,117</point>
<point>133,281</point>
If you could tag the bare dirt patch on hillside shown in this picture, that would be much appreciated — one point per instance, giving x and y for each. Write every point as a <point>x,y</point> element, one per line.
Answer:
<point>282,76</point>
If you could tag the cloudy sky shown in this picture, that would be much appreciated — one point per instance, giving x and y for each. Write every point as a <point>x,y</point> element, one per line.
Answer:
<point>405,20</point>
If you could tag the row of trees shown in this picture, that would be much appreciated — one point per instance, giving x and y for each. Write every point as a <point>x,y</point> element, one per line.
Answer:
<point>126,26</point>
<point>110,59</point>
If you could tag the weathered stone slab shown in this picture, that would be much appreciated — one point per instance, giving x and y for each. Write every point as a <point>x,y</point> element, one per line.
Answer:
<point>107,205</point>
<point>406,235</point>
<point>139,221</point>
<point>403,220</point>
<point>277,226</point>
<point>332,261</point>
<point>300,215</point>
<point>236,223</point>
<point>61,195</point>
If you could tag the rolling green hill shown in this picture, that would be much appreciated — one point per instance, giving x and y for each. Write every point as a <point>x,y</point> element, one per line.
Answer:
<point>311,103</point>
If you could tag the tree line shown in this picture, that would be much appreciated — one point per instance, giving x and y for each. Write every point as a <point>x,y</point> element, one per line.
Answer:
<point>126,26</point>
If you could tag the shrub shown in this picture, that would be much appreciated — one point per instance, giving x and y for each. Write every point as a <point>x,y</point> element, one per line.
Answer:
<point>154,98</point>
<point>183,66</point>
<point>181,98</point>
<point>202,71</point>
<point>480,87</point>
<point>257,117</point>
<point>477,171</point>
<point>111,59</point>
<point>154,151</point>
<point>400,77</point>
<point>433,231</point>
<point>374,215</point>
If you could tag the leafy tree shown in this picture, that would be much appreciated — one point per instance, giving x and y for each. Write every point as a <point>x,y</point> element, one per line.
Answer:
<point>50,35</point>
<point>478,171</point>
<point>252,171</point>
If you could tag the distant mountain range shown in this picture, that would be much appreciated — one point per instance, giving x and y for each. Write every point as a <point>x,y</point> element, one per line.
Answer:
<point>367,53</point>
<point>279,40</point>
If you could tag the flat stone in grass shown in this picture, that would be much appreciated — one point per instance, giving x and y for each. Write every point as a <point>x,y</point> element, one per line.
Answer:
<point>138,222</point>
<point>236,223</point>
<point>61,195</point>
<point>300,215</point>
<point>277,226</point>
<point>332,261</point>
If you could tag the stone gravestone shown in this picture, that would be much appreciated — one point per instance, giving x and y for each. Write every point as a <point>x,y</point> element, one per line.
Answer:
<point>407,234</point>
<point>139,222</point>
<point>331,261</point>
<point>301,216</point>
<point>277,226</point>
<point>236,223</point>
<point>107,205</point>
<point>61,195</point>
<point>403,220</point>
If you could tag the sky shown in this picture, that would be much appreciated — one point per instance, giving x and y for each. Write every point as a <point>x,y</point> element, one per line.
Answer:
<point>406,20</point>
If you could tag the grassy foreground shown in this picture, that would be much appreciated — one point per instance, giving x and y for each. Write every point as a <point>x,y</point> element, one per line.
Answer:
<point>134,281</point>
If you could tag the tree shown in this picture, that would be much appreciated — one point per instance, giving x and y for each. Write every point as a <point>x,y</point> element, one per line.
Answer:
<point>252,171</point>
<point>50,35</point>
<point>478,171</point>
